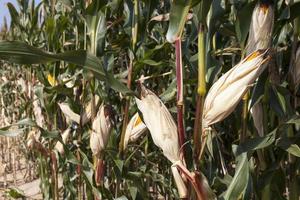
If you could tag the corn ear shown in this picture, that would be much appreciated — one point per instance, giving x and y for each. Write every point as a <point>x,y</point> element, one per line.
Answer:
<point>86,115</point>
<point>226,92</point>
<point>134,130</point>
<point>261,27</point>
<point>59,146</point>
<point>69,113</point>
<point>163,130</point>
<point>101,128</point>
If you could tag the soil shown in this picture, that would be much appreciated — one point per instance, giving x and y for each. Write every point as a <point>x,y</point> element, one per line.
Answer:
<point>22,182</point>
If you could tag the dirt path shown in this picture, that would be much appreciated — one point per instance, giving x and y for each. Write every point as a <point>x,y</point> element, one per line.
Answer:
<point>16,171</point>
<point>30,188</point>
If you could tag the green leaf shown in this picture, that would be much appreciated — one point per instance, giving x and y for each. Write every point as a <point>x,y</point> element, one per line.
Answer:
<point>170,93</point>
<point>218,10</point>
<point>290,12</point>
<point>13,13</point>
<point>6,131</point>
<point>276,102</point>
<point>96,23</point>
<point>243,21</point>
<point>22,53</point>
<point>119,163</point>
<point>258,90</point>
<point>294,120</point>
<point>240,179</point>
<point>87,169</point>
<point>94,7</point>
<point>294,150</point>
<point>288,146</point>
<point>178,15</point>
<point>150,62</point>
<point>51,134</point>
<point>133,192</point>
<point>25,122</point>
<point>117,85</point>
<point>202,11</point>
<point>11,133</point>
<point>15,193</point>
<point>257,143</point>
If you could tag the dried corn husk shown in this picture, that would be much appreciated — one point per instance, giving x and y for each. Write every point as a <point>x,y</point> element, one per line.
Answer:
<point>59,146</point>
<point>2,169</point>
<point>31,138</point>
<point>260,37</point>
<point>22,83</point>
<point>37,111</point>
<point>69,83</point>
<point>33,143</point>
<point>261,27</point>
<point>86,115</point>
<point>101,129</point>
<point>134,130</point>
<point>163,131</point>
<point>226,92</point>
<point>4,79</point>
<point>69,114</point>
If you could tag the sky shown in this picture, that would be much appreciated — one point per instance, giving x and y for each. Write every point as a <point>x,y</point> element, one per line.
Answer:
<point>4,10</point>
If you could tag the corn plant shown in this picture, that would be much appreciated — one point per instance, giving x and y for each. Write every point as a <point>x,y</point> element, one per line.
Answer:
<point>145,99</point>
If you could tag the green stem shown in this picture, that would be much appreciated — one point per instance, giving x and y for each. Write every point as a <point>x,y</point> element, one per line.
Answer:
<point>201,91</point>
<point>130,69</point>
<point>244,118</point>
<point>135,24</point>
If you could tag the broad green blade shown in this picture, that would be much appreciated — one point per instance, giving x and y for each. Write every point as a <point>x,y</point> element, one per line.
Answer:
<point>240,179</point>
<point>6,131</point>
<point>202,10</point>
<point>21,53</point>
<point>13,13</point>
<point>178,15</point>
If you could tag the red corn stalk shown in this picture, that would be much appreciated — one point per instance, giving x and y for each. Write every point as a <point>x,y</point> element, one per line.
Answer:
<point>99,172</point>
<point>179,79</point>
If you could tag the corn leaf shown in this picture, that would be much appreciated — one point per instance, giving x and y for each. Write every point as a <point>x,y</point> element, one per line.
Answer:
<point>257,143</point>
<point>240,179</point>
<point>287,145</point>
<point>11,133</point>
<point>243,22</point>
<point>178,15</point>
<point>21,53</point>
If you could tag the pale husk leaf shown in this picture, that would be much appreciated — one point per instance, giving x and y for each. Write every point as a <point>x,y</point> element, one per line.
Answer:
<point>163,130</point>
<point>134,130</point>
<point>226,92</point>
<point>59,146</point>
<point>86,115</point>
<point>37,111</point>
<point>260,37</point>
<point>160,124</point>
<point>261,27</point>
<point>69,113</point>
<point>182,190</point>
<point>101,129</point>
